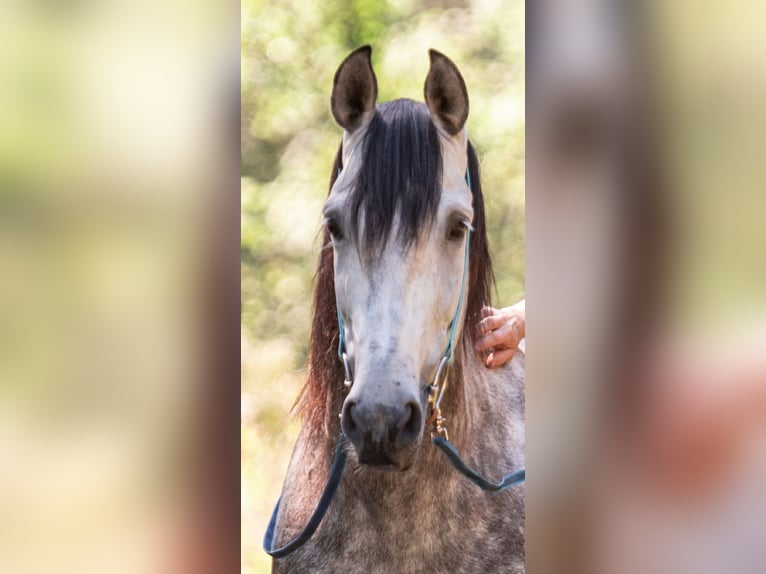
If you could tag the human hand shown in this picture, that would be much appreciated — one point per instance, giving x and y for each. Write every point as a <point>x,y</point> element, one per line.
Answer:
<point>500,332</point>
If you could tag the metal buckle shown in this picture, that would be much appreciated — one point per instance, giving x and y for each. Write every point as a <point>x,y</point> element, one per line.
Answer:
<point>348,381</point>
<point>435,394</point>
<point>438,422</point>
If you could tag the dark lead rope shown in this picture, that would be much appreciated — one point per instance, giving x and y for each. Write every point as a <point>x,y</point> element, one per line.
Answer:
<point>336,474</point>
<point>508,481</point>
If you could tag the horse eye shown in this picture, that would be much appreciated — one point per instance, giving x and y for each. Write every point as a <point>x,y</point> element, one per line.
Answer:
<point>457,231</point>
<point>334,229</point>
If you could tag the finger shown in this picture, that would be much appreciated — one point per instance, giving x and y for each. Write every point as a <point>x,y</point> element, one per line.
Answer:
<point>500,357</point>
<point>519,324</point>
<point>489,324</point>
<point>505,336</point>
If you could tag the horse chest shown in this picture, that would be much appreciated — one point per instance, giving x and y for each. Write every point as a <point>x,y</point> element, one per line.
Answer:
<point>443,529</point>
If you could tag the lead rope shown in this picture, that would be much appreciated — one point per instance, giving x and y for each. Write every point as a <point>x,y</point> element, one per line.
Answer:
<point>333,482</point>
<point>439,435</point>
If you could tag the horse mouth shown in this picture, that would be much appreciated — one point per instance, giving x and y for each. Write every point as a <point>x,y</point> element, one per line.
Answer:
<point>381,461</point>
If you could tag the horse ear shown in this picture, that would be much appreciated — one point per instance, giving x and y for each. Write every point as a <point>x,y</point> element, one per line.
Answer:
<point>354,90</point>
<point>446,95</point>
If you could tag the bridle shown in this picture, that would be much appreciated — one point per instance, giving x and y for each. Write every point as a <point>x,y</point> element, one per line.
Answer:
<point>439,435</point>
<point>437,387</point>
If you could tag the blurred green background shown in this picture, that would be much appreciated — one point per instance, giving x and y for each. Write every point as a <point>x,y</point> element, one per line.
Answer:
<point>290,51</point>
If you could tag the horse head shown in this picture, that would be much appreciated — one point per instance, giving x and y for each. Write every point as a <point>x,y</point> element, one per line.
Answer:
<point>398,214</point>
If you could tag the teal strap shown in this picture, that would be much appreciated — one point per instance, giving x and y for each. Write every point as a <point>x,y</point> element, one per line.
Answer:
<point>342,333</point>
<point>506,482</point>
<point>449,352</point>
<point>341,327</point>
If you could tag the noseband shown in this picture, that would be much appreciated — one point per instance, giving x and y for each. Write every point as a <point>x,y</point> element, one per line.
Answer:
<point>439,436</point>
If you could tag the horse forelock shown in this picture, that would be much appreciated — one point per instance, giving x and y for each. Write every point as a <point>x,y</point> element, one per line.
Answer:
<point>400,177</point>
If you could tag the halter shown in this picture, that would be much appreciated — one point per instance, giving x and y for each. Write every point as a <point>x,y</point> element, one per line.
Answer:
<point>435,389</point>
<point>439,436</point>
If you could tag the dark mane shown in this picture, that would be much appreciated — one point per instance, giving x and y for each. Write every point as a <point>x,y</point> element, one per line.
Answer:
<point>400,176</point>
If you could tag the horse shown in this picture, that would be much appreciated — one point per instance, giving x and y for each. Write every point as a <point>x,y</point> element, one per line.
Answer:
<point>395,285</point>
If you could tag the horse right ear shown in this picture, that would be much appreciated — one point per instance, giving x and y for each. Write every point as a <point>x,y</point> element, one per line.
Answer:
<point>354,90</point>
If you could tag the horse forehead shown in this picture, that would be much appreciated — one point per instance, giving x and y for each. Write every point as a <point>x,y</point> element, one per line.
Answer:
<point>394,258</point>
<point>397,267</point>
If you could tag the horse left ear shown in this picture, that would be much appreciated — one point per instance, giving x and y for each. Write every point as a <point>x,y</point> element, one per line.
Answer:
<point>446,94</point>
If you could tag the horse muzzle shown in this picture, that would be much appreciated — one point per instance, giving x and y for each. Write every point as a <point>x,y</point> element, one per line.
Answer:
<point>384,435</point>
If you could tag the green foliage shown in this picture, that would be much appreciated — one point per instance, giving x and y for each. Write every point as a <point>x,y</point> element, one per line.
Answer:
<point>290,51</point>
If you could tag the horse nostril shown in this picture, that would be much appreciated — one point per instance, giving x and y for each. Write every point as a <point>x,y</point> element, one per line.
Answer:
<point>349,425</point>
<point>409,427</point>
